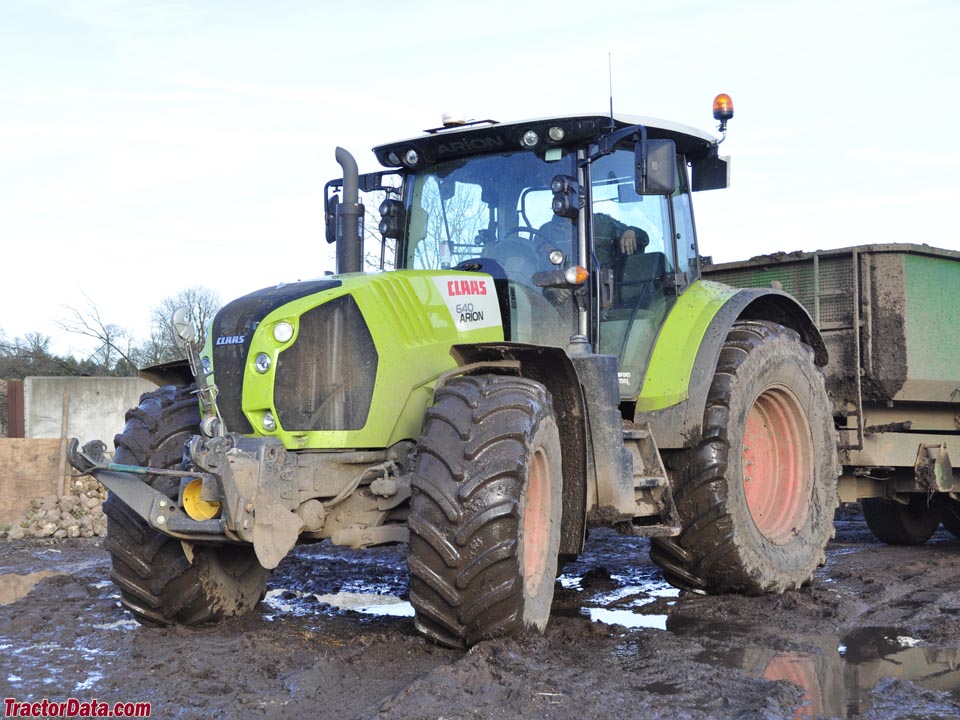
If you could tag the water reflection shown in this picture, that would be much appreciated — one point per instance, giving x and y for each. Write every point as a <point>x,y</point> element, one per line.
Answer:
<point>837,674</point>
<point>616,599</point>
<point>13,587</point>
<point>295,602</point>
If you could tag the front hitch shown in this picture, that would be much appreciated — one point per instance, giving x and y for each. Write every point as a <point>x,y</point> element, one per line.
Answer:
<point>127,483</point>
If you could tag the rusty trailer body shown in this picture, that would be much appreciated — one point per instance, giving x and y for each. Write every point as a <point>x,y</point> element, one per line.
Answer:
<point>890,317</point>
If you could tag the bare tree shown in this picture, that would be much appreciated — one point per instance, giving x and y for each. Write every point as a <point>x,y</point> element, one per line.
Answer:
<point>203,304</point>
<point>115,351</point>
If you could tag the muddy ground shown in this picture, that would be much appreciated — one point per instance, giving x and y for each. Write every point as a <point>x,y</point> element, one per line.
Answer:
<point>877,635</point>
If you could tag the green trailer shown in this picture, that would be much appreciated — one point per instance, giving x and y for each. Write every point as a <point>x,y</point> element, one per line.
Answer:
<point>889,319</point>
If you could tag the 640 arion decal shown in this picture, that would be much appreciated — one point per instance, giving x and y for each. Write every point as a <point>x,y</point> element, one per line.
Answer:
<point>472,302</point>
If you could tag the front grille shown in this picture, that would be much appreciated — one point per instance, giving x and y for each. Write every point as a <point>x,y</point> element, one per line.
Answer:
<point>325,380</point>
<point>233,329</point>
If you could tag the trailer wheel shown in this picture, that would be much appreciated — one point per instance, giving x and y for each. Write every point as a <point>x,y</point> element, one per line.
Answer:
<point>157,582</point>
<point>897,524</point>
<point>485,511</point>
<point>756,495</point>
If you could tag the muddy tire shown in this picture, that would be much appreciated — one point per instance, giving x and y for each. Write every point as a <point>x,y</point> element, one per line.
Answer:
<point>157,582</point>
<point>485,511</point>
<point>756,496</point>
<point>897,524</point>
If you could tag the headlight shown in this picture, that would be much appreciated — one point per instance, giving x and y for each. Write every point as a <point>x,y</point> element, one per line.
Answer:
<point>282,331</point>
<point>206,365</point>
<point>262,363</point>
<point>268,423</point>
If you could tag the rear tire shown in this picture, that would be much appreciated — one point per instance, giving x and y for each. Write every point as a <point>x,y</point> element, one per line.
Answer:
<point>485,511</point>
<point>897,524</point>
<point>756,496</point>
<point>157,581</point>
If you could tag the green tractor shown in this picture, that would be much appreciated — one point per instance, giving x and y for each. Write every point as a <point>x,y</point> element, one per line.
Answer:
<point>542,358</point>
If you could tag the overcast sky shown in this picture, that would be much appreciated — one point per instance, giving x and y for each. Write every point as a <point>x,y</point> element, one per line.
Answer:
<point>150,146</point>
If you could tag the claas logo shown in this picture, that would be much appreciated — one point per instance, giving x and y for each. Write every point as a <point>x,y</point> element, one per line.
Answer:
<point>466,287</point>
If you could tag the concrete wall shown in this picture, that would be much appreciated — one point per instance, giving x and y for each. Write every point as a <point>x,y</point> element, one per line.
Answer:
<point>96,406</point>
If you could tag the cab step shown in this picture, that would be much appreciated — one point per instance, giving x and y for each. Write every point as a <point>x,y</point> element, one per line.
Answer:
<point>656,513</point>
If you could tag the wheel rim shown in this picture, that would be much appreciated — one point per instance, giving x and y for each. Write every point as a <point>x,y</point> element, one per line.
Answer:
<point>778,463</point>
<point>536,522</point>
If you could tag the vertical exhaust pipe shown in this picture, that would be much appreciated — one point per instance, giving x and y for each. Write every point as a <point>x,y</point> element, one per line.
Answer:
<point>349,242</point>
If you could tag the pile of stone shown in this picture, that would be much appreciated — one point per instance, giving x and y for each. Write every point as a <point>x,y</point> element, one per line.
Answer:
<point>79,514</point>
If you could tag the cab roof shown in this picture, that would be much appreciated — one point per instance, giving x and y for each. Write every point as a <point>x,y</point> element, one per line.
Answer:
<point>491,136</point>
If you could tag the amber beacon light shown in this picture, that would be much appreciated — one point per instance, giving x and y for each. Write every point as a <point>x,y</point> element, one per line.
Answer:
<point>722,110</point>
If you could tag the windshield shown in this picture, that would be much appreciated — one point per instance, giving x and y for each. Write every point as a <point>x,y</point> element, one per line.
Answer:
<point>482,206</point>
<point>497,207</point>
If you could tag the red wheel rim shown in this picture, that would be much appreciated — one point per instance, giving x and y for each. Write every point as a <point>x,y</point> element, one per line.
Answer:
<point>536,522</point>
<point>778,464</point>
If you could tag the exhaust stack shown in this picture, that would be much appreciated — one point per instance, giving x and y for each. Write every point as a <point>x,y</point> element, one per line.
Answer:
<point>349,242</point>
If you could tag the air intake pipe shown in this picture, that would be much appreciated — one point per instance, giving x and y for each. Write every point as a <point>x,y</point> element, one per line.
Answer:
<point>349,242</point>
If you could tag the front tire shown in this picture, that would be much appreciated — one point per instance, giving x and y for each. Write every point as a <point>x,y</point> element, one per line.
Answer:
<point>756,496</point>
<point>485,511</point>
<point>157,582</point>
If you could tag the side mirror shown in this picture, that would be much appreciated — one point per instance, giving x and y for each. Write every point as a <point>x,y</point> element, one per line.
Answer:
<point>183,326</point>
<point>332,210</point>
<point>656,167</point>
<point>711,172</point>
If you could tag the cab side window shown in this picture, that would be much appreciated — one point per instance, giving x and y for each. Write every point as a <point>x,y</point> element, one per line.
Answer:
<point>683,222</point>
<point>632,237</point>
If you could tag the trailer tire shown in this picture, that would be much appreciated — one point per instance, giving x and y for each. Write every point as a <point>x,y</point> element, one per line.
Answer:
<point>158,583</point>
<point>485,511</point>
<point>897,524</point>
<point>756,495</point>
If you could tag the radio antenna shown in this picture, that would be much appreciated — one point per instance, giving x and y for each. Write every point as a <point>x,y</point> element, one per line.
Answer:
<point>610,78</point>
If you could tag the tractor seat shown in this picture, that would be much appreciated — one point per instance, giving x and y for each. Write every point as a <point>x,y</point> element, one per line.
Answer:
<point>640,273</point>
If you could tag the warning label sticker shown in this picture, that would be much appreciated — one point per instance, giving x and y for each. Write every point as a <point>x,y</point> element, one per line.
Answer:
<point>472,302</point>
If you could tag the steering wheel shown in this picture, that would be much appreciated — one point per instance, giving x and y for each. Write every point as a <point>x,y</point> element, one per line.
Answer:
<point>519,230</point>
<point>518,259</point>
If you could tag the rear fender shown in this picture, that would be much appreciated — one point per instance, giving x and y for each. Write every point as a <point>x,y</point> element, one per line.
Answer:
<point>552,368</point>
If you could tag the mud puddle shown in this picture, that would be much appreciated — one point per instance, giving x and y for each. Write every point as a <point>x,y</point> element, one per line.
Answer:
<point>593,592</point>
<point>838,674</point>
<point>627,604</point>
<point>283,601</point>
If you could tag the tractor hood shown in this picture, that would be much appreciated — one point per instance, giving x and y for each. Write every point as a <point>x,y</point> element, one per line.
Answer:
<point>345,362</point>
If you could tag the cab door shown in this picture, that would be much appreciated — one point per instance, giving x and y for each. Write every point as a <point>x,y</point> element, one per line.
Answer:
<point>634,246</point>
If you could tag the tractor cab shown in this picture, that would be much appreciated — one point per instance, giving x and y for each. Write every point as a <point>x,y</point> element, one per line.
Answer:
<point>585,222</point>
